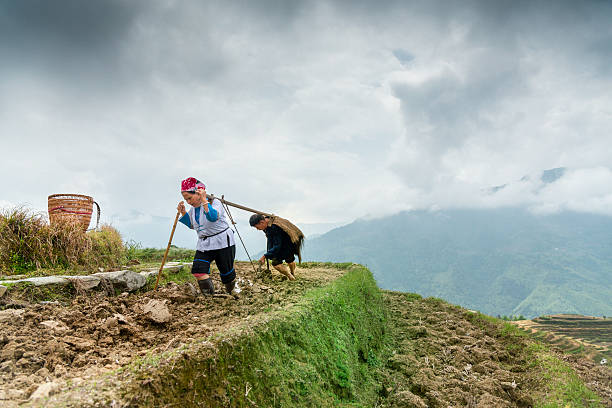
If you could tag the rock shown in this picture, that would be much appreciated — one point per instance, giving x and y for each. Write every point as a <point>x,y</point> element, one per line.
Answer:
<point>11,314</point>
<point>173,267</point>
<point>191,290</point>
<point>7,366</point>
<point>110,323</point>
<point>2,290</point>
<point>405,398</point>
<point>79,343</point>
<point>56,326</point>
<point>121,318</point>
<point>124,279</point>
<point>60,370</point>
<point>22,362</point>
<point>105,341</point>
<point>44,391</point>
<point>14,394</point>
<point>43,372</point>
<point>509,385</point>
<point>42,280</point>
<point>157,311</point>
<point>146,274</point>
<point>87,282</point>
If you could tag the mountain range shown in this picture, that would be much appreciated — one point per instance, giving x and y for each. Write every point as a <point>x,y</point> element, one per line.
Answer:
<point>504,261</point>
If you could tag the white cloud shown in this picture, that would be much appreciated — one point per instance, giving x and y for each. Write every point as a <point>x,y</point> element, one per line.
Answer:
<point>320,112</point>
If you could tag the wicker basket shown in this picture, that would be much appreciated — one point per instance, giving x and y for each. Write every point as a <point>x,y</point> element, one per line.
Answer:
<point>76,206</point>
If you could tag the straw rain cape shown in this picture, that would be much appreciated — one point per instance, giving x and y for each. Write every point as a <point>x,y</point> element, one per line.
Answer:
<point>296,235</point>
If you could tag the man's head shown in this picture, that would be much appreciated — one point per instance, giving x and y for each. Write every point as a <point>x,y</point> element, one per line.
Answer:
<point>258,221</point>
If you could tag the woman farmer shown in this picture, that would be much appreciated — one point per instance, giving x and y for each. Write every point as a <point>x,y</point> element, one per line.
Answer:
<point>215,237</point>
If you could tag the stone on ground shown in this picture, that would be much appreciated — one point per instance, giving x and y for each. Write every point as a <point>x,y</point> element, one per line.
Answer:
<point>157,311</point>
<point>125,279</point>
<point>43,391</point>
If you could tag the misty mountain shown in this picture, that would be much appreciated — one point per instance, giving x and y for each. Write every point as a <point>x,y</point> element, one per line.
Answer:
<point>498,261</point>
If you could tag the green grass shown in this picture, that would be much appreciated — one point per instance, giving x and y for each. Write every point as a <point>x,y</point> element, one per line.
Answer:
<point>564,387</point>
<point>32,293</point>
<point>341,265</point>
<point>182,276</point>
<point>320,353</point>
<point>134,251</point>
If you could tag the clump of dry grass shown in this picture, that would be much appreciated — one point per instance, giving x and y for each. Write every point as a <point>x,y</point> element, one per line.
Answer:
<point>28,242</point>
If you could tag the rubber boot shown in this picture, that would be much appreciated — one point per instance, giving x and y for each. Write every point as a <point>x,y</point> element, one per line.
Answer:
<point>230,286</point>
<point>233,289</point>
<point>207,287</point>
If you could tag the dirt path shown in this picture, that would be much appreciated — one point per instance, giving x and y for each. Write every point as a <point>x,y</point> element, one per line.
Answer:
<point>52,343</point>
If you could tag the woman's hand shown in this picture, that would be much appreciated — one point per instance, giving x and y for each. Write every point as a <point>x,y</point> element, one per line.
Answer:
<point>202,193</point>
<point>181,207</point>
<point>262,259</point>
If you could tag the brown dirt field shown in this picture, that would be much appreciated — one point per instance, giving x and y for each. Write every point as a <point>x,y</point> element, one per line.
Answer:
<point>96,333</point>
<point>597,377</point>
<point>442,358</point>
<point>586,363</point>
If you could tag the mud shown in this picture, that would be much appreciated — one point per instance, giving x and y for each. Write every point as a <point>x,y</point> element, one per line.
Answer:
<point>44,345</point>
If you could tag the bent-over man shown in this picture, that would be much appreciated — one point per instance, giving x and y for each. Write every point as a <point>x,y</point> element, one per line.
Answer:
<point>279,247</point>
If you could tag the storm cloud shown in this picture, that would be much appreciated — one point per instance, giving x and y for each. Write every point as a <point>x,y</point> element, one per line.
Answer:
<point>321,111</point>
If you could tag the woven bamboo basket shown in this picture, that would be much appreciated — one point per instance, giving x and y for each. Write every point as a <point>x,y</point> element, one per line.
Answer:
<point>72,206</point>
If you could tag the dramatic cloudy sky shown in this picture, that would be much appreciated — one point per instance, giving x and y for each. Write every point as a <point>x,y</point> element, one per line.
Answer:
<point>321,111</point>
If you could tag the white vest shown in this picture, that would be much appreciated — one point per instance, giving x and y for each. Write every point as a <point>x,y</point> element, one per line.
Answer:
<point>212,234</point>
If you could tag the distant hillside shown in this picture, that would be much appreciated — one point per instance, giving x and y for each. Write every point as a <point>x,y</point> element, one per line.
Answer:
<point>498,261</point>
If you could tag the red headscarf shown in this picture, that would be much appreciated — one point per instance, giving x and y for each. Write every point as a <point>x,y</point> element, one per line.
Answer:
<point>191,184</point>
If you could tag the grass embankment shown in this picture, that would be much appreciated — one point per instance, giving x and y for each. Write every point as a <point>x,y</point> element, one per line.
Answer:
<point>321,352</point>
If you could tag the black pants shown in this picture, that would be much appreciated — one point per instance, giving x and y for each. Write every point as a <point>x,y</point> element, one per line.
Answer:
<point>224,258</point>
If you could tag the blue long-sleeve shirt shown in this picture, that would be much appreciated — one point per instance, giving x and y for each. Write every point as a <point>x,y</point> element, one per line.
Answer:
<point>212,215</point>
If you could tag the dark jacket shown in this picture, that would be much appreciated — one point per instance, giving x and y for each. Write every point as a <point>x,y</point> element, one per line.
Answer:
<point>279,243</point>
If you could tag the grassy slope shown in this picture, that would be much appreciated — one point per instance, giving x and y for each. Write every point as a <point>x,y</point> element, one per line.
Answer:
<point>313,355</point>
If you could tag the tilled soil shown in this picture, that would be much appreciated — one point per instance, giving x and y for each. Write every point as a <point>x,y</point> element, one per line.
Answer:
<point>442,358</point>
<point>50,343</point>
<point>596,376</point>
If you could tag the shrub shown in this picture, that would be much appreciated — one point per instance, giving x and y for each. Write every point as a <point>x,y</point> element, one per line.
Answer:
<point>28,242</point>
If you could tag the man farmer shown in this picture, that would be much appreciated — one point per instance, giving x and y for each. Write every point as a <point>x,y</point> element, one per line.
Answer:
<point>279,248</point>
